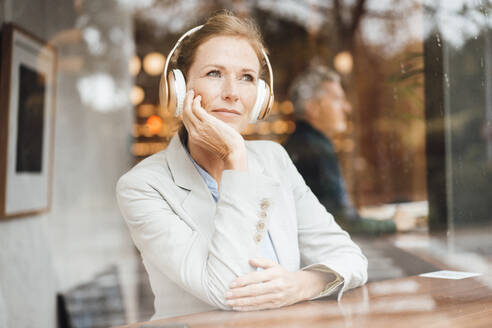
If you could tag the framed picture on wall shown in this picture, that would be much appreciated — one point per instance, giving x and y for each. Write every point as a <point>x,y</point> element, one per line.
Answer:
<point>27,116</point>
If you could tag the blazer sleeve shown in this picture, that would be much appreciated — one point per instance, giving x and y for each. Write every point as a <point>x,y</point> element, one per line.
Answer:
<point>201,266</point>
<point>323,245</point>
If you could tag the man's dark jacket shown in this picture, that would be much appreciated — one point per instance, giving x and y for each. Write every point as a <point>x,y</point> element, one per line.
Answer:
<point>316,160</point>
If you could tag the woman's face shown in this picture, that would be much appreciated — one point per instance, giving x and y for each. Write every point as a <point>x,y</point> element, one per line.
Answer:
<point>225,73</point>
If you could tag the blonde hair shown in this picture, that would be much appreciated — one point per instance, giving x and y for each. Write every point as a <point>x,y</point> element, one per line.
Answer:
<point>222,23</point>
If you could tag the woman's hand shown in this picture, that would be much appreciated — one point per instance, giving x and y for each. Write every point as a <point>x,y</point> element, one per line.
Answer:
<point>273,287</point>
<point>213,135</point>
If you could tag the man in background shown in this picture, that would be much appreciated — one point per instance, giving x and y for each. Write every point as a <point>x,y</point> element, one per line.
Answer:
<point>320,107</point>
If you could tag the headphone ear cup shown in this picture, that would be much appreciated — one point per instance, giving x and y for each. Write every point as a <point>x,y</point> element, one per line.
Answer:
<point>263,102</point>
<point>168,101</point>
<point>176,85</point>
<point>164,92</point>
<point>267,102</point>
<point>260,100</point>
<point>179,87</point>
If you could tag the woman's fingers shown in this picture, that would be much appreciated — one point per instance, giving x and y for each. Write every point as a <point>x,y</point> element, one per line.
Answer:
<point>206,117</point>
<point>254,278</point>
<point>188,100</point>
<point>253,290</point>
<point>259,302</point>
<point>197,109</point>
<point>251,278</point>
<point>261,262</point>
<point>201,116</point>
<point>211,133</point>
<point>270,288</point>
<point>188,116</point>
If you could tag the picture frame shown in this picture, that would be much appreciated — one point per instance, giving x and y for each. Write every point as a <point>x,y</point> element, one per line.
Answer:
<point>27,122</point>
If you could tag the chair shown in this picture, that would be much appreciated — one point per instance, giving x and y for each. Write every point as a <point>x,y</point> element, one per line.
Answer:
<point>97,303</point>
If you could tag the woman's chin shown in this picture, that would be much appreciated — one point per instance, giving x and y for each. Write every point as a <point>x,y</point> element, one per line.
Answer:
<point>233,120</point>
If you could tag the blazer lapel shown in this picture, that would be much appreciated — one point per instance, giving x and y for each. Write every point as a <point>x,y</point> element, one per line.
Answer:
<point>198,204</point>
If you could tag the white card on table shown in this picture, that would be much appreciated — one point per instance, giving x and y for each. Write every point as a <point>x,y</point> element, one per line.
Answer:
<point>445,274</point>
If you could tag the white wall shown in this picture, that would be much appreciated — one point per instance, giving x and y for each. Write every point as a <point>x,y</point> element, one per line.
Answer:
<point>83,233</point>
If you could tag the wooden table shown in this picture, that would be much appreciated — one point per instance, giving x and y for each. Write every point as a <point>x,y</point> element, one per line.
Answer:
<point>407,302</point>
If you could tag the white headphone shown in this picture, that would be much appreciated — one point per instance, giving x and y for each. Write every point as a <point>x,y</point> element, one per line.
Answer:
<point>172,89</point>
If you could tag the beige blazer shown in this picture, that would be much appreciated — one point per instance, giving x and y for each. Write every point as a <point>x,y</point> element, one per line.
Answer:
<point>193,247</point>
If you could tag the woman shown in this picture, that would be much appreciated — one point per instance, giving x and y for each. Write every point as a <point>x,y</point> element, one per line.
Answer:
<point>225,223</point>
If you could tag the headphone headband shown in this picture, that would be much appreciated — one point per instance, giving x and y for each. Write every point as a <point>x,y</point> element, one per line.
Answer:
<point>166,97</point>
<point>168,59</point>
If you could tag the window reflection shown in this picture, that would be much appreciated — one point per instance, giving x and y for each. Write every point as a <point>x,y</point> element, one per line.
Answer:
<point>410,70</point>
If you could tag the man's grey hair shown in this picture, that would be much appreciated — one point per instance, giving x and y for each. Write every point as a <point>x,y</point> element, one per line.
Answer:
<point>307,85</point>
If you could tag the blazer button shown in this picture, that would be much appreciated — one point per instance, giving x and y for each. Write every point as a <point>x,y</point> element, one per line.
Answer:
<point>260,226</point>
<point>263,214</point>
<point>258,238</point>
<point>264,204</point>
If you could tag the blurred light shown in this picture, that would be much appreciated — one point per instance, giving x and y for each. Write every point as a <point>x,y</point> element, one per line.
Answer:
<point>279,127</point>
<point>286,107</point>
<point>344,62</point>
<point>264,128</point>
<point>136,131</point>
<point>137,95</point>
<point>250,129</point>
<point>100,92</point>
<point>145,110</point>
<point>291,126</point>
<point>163,113</point>
<point>134,65</point>
<point>274,107</point>
<point>153,63</point>
<point>92,38</point>
<point>146,131</point>
<point>147,148</point>
<point>165,130</point>
<point>154,124</point>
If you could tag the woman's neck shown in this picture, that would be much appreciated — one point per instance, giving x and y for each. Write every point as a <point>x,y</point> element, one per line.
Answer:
<point>210,162</point>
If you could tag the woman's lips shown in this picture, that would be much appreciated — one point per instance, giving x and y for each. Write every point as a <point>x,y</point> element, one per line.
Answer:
<point>226,112</point>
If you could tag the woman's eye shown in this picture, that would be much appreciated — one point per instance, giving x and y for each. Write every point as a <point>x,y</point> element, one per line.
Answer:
<point>248,77</point>
<point>214,73</point>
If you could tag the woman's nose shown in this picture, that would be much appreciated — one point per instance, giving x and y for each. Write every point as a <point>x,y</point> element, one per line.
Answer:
<point>230,90</point>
